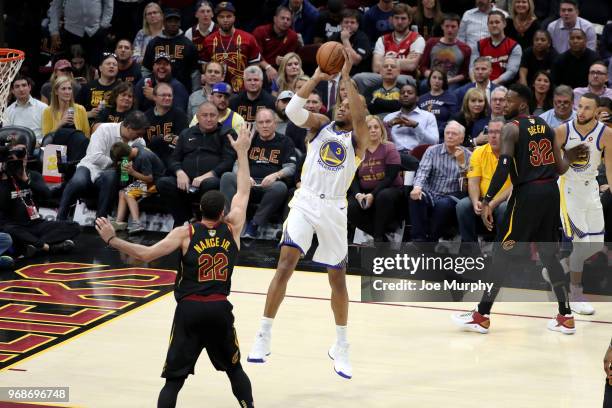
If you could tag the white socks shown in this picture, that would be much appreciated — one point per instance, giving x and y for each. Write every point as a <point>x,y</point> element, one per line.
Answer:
<point>341,336</point>
<point>266,325</point>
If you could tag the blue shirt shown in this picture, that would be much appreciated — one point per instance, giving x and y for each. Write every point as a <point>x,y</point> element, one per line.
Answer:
<point>377,22</point>
<point>552,119</point>
<point>442,106</point>
<point>439,172</point>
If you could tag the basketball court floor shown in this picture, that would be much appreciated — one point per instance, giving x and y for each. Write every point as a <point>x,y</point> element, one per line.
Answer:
<point>95,323</point>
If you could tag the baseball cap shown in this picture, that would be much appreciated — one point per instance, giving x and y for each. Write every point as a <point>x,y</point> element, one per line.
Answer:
<point>172,12</point>
<point>285,95</point>
<point>162,55</point>
<point>225,6</point>
<point>62,64</point>
<point>222,87</point>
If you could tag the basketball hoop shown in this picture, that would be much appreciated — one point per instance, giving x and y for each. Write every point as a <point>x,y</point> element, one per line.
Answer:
<point>10,62</point>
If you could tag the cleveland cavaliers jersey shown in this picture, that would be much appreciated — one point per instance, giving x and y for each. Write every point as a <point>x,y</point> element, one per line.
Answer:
<point>533,151</point>
<point>330,163</point>
<point>207,266</point>
<point>584,169</point>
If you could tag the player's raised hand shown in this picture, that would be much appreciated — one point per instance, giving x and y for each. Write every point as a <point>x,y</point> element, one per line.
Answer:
<point>243,141</point>
<point>320,75</point>
<point>348,64</point>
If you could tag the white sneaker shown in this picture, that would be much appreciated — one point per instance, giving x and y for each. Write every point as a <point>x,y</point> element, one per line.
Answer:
<point>578,302</point>
<point>340,354</point>
<point>563,324</point>
<point>261,348</point>
<point>472,321</point>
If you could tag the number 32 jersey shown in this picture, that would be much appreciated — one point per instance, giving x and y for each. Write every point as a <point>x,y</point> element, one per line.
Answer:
<point>533,152</point>
<point>207,266</point>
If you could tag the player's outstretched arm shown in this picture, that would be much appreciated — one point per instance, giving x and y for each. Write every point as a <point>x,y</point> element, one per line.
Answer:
<point>237,214</point>
<point>357,106</point>
<point>172,242</point>
<point>295,108</point>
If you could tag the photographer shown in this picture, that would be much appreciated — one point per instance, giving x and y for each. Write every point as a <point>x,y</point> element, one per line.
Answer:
<point>19,191</point>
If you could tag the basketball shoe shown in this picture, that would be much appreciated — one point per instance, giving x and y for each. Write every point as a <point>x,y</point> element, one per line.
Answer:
<point>340,354</point>
<point>564,324</point>
<point>578,302</point>
<point>261,348</point>
<point>472,321</point>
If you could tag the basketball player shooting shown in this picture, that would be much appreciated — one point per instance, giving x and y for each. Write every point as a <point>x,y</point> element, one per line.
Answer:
<point>319,207</point>
<point>203,316</point>
<point>532,157</point>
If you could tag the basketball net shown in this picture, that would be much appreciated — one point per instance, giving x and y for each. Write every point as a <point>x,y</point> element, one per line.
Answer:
<point>10,62</point>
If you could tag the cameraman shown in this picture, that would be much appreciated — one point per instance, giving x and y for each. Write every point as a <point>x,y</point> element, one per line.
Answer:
<point>19,191</point>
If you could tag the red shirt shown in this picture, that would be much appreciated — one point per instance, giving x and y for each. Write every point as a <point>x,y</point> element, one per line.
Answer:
<point>372,169</point>
<point>273,45</point>
<point>235,51</point>
<point>499,54</point>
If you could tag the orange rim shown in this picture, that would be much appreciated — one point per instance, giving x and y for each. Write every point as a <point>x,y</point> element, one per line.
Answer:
<point>9,55</point>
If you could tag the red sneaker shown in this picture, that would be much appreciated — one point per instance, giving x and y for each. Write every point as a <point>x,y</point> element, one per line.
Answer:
<point>472,321</point>
<point>564,324</point>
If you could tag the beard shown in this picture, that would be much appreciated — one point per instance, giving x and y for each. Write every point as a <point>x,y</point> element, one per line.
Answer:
<point>584,122</point>
<point>340,123</point>
<point>511,115</point>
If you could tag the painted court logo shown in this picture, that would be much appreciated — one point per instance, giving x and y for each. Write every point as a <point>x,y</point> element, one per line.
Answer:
<point>332,155</point>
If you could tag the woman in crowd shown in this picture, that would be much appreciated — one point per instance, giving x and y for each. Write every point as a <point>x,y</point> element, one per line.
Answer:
<point>439,101</point>
<point>538,57</point>
<point>474,116</point>
<point>63,112</point>
<point>428,18</point>
<point>81,70</point>
<point>523,23</point>
<point>542,89</point>
<point>61,68</point>
<point>152,26</point>
<point>289,70</point>
<point>376,199</point>
<point>120,103</point>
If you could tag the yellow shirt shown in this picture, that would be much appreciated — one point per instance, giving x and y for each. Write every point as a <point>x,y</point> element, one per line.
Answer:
<point>482,164</point>
<point>237,120</point>
<point>50,122</point>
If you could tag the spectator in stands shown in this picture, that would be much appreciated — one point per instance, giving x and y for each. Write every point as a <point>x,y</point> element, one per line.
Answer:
<point>201,156</point>
<point>428,18</point>
<point>401,43</point>
<point>152,26</point>
<point>498,103</point>
<point>410,126</point>
<point>82,71</point>
<point>481,169</point>
<point>298,134</point>
<point>20,191</point>
<point>233,48</point>
<point>562,111</point>
<point>604,112</point>
<point>6,243</point>
<point>355,41</point>
<point>120,103</point>
<point>481,71</point>
<point>127,69</point>
<point>542,89</point>
<point>281,117</point>
<point>290,68</point>
<point>165,123</point>
<point>437,188</point>
<point>329,22</point>
<point>61,68</point>
<point>605,44</point>
<point>377,20</point>
<point>539,57</point>
<point>473,116</point>
<point>305,17</point>
<point>95,169</point>
<point>598,77</point>
<point>275,40</point>
<point>439,100</point>
<point>523,23</point>
<point>376,198</point>
<point>94,95</point>
<point>144,169</point>
<point>26,111</point>
<point>220,96</point>
<point>505,53</point>
<point>205,25</point>
<point>85,23</point>
<point>63,111</point>
<point>162,72</point>
<point>386,98</point>
<point>561,29</point>
<point>213,73</point>
<point>271,160</point>
<point>578,57</point>
<point>474,25</point>
<point>448,53</point>
<point>254,97</point>
<point>181,51</point>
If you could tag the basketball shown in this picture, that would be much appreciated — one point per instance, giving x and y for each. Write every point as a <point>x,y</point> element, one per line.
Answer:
<point>330,57</point>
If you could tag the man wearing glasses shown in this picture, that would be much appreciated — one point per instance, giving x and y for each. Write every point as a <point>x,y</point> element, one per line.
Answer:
<point>563,100</point>
<point>598,77</point>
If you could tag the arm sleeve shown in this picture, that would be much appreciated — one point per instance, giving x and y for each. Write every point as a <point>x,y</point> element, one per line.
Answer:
<point>295,110</point>
<point>427,132</point>
<point>514,62</point>
<point>96,149</point>
<point>107,13</point>
<point>176,158</point>
<point>55,12</point>
<point>424,62</point>
<point>499,177</point>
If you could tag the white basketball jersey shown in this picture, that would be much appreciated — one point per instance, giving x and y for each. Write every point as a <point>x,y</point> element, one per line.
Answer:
<point>330,163</point>
<point>586,169</point>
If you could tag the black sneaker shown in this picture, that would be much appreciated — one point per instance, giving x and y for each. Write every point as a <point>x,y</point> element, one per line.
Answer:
<point>31,251</point>
<point>62,247</point>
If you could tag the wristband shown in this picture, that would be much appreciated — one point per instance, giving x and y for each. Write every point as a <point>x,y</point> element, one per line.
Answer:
<point>110,239</point>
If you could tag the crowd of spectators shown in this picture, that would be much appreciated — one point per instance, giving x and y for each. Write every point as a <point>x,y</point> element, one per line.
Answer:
<point>173,79</point>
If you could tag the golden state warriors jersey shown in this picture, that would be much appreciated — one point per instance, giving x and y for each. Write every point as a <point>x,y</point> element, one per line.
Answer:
<point>584,169</point>
<point>330,163</point>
